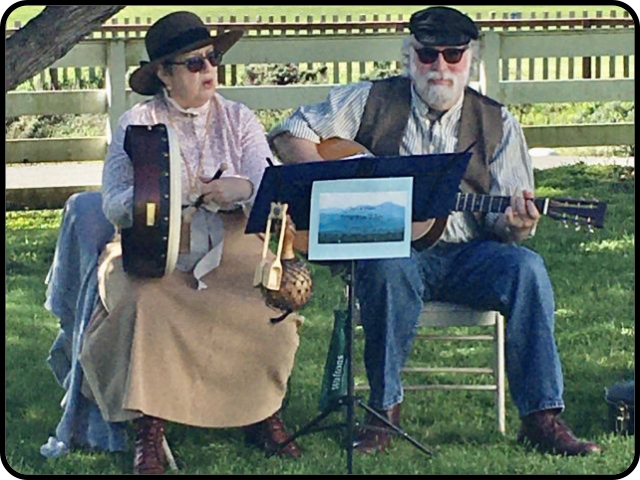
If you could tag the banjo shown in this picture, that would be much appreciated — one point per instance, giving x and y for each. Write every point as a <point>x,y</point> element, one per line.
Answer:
<point>425,234</point>
<point>150,246</point>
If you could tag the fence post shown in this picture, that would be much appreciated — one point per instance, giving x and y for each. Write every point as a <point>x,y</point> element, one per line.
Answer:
<point>490,64</point>
<point>116,83</point>
<point>222,70</point>
<point>586,61</point>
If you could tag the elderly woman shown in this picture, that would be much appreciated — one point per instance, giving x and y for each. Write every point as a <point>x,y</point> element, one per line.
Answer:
<point>195,347</point>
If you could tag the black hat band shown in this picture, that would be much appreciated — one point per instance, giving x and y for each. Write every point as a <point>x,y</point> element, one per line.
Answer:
<point>183,40</point>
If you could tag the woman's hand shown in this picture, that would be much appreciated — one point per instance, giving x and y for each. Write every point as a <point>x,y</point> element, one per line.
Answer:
<point>227,191</point>
<point>519,219</point>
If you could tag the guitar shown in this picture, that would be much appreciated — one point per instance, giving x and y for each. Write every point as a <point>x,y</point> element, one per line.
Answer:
<point>425,234</point>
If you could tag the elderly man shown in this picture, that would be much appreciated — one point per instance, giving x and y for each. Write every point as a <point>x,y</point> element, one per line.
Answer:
<point>431,110</point>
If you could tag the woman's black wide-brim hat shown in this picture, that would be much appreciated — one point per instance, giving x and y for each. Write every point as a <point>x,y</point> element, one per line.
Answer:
<point>174,34</point>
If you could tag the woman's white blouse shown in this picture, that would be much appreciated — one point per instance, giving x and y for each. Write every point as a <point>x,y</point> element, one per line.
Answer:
<point>232,135</point>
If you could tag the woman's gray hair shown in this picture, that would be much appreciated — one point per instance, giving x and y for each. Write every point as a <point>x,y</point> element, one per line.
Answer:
<point>168,65</point>
<point>474,46</point>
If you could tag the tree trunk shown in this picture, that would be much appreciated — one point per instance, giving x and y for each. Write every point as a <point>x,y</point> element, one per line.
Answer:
<point>48,37</point>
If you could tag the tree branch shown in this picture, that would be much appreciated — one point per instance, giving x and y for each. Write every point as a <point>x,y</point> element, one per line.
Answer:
<point>48,37</point>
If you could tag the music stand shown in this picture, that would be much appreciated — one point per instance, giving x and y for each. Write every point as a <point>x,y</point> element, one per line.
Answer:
<point>436,180</point>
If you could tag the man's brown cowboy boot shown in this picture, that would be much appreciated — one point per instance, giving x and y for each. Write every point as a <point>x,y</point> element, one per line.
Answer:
<point>374,434</point>
<point>149,455</point>
<point>269,434</point>
<point>545,431</point>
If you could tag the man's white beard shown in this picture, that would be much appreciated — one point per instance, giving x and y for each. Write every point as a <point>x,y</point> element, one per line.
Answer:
<point>439,97</point>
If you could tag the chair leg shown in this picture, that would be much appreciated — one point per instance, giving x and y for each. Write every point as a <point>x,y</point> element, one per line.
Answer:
<point>167,451</point>
<point>499,373</point>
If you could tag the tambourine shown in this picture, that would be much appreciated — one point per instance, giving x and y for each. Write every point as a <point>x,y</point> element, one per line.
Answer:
<point>150,247</point>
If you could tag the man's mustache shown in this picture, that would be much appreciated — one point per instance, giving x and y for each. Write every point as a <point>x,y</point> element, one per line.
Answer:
<point>441,76</point>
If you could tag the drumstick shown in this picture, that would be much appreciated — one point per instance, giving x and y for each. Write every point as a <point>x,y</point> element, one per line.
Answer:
<point>188,213</point>
<point>223,168</point>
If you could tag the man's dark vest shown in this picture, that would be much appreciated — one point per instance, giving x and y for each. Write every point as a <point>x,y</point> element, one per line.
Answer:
<point>387,112</point>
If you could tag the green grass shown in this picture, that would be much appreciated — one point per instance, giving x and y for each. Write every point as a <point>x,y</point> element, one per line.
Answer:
<point>594,281</point>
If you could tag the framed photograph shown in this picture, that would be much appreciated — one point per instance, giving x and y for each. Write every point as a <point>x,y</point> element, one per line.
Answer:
<point>362,218</point>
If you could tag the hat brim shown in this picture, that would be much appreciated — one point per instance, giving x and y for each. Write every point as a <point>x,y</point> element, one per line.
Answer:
<point>145,81</point>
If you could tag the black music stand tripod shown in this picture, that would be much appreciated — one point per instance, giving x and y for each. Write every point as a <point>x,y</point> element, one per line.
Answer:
<point>350,400</point>
<point>435,183</point>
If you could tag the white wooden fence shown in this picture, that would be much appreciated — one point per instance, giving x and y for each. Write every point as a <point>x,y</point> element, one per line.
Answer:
<point>508,73</point>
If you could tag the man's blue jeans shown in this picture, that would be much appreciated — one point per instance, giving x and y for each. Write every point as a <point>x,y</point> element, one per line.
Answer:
<point>484,274</point>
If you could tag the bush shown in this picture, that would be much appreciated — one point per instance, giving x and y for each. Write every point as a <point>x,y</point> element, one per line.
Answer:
<point>53,126</point>
<point>283,74</point>
<point>290,74</point>
<point>573,113</point>
<point>65,79</point>
<point>381,70</point>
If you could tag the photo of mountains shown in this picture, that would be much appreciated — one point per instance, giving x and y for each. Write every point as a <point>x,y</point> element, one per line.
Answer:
<point>384,222</point>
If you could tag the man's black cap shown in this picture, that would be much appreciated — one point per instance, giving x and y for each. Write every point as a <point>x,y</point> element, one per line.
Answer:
<point>442,26</point>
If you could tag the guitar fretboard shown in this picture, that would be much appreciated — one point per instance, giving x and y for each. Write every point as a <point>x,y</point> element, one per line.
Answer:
<point>472,202</point>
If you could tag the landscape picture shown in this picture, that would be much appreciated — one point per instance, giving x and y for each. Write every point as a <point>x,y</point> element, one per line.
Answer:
<point>361,218</point>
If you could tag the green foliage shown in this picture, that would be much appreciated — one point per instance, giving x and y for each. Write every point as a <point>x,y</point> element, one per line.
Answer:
<point>611,112</point>
<point>381,70</point>
<point>573,113</point>
<point>283,74</point>
<point>79,78</point>
<point>271,118</point>
<point>52,126</point>
<point>594,282</point>
<point>624,174</point>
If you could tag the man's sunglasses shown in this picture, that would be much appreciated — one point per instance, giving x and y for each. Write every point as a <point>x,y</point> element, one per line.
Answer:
<point>429,55</point>
<point>197,64</point>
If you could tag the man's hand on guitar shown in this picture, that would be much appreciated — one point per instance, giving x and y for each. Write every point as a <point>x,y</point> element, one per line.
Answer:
<point>519,219</point>
<point>292,150</point>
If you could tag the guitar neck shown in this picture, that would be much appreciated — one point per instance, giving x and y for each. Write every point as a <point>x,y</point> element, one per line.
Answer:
<point>472,202</point>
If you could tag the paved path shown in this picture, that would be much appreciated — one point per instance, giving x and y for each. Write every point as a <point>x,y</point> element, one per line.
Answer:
<point>551,161</point>
<point>71,174</point>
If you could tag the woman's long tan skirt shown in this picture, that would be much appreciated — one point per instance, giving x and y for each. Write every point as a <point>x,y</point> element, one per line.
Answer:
<point>208,358</point>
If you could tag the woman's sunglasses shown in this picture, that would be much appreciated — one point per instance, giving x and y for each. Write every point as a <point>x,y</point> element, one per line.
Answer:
<point>429,55</point>
<point>197,64</point>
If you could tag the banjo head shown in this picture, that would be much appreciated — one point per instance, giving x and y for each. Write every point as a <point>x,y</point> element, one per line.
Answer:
<point>150,247</point>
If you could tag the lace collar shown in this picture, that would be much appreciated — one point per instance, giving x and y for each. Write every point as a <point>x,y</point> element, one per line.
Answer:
<point>192,111</point>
